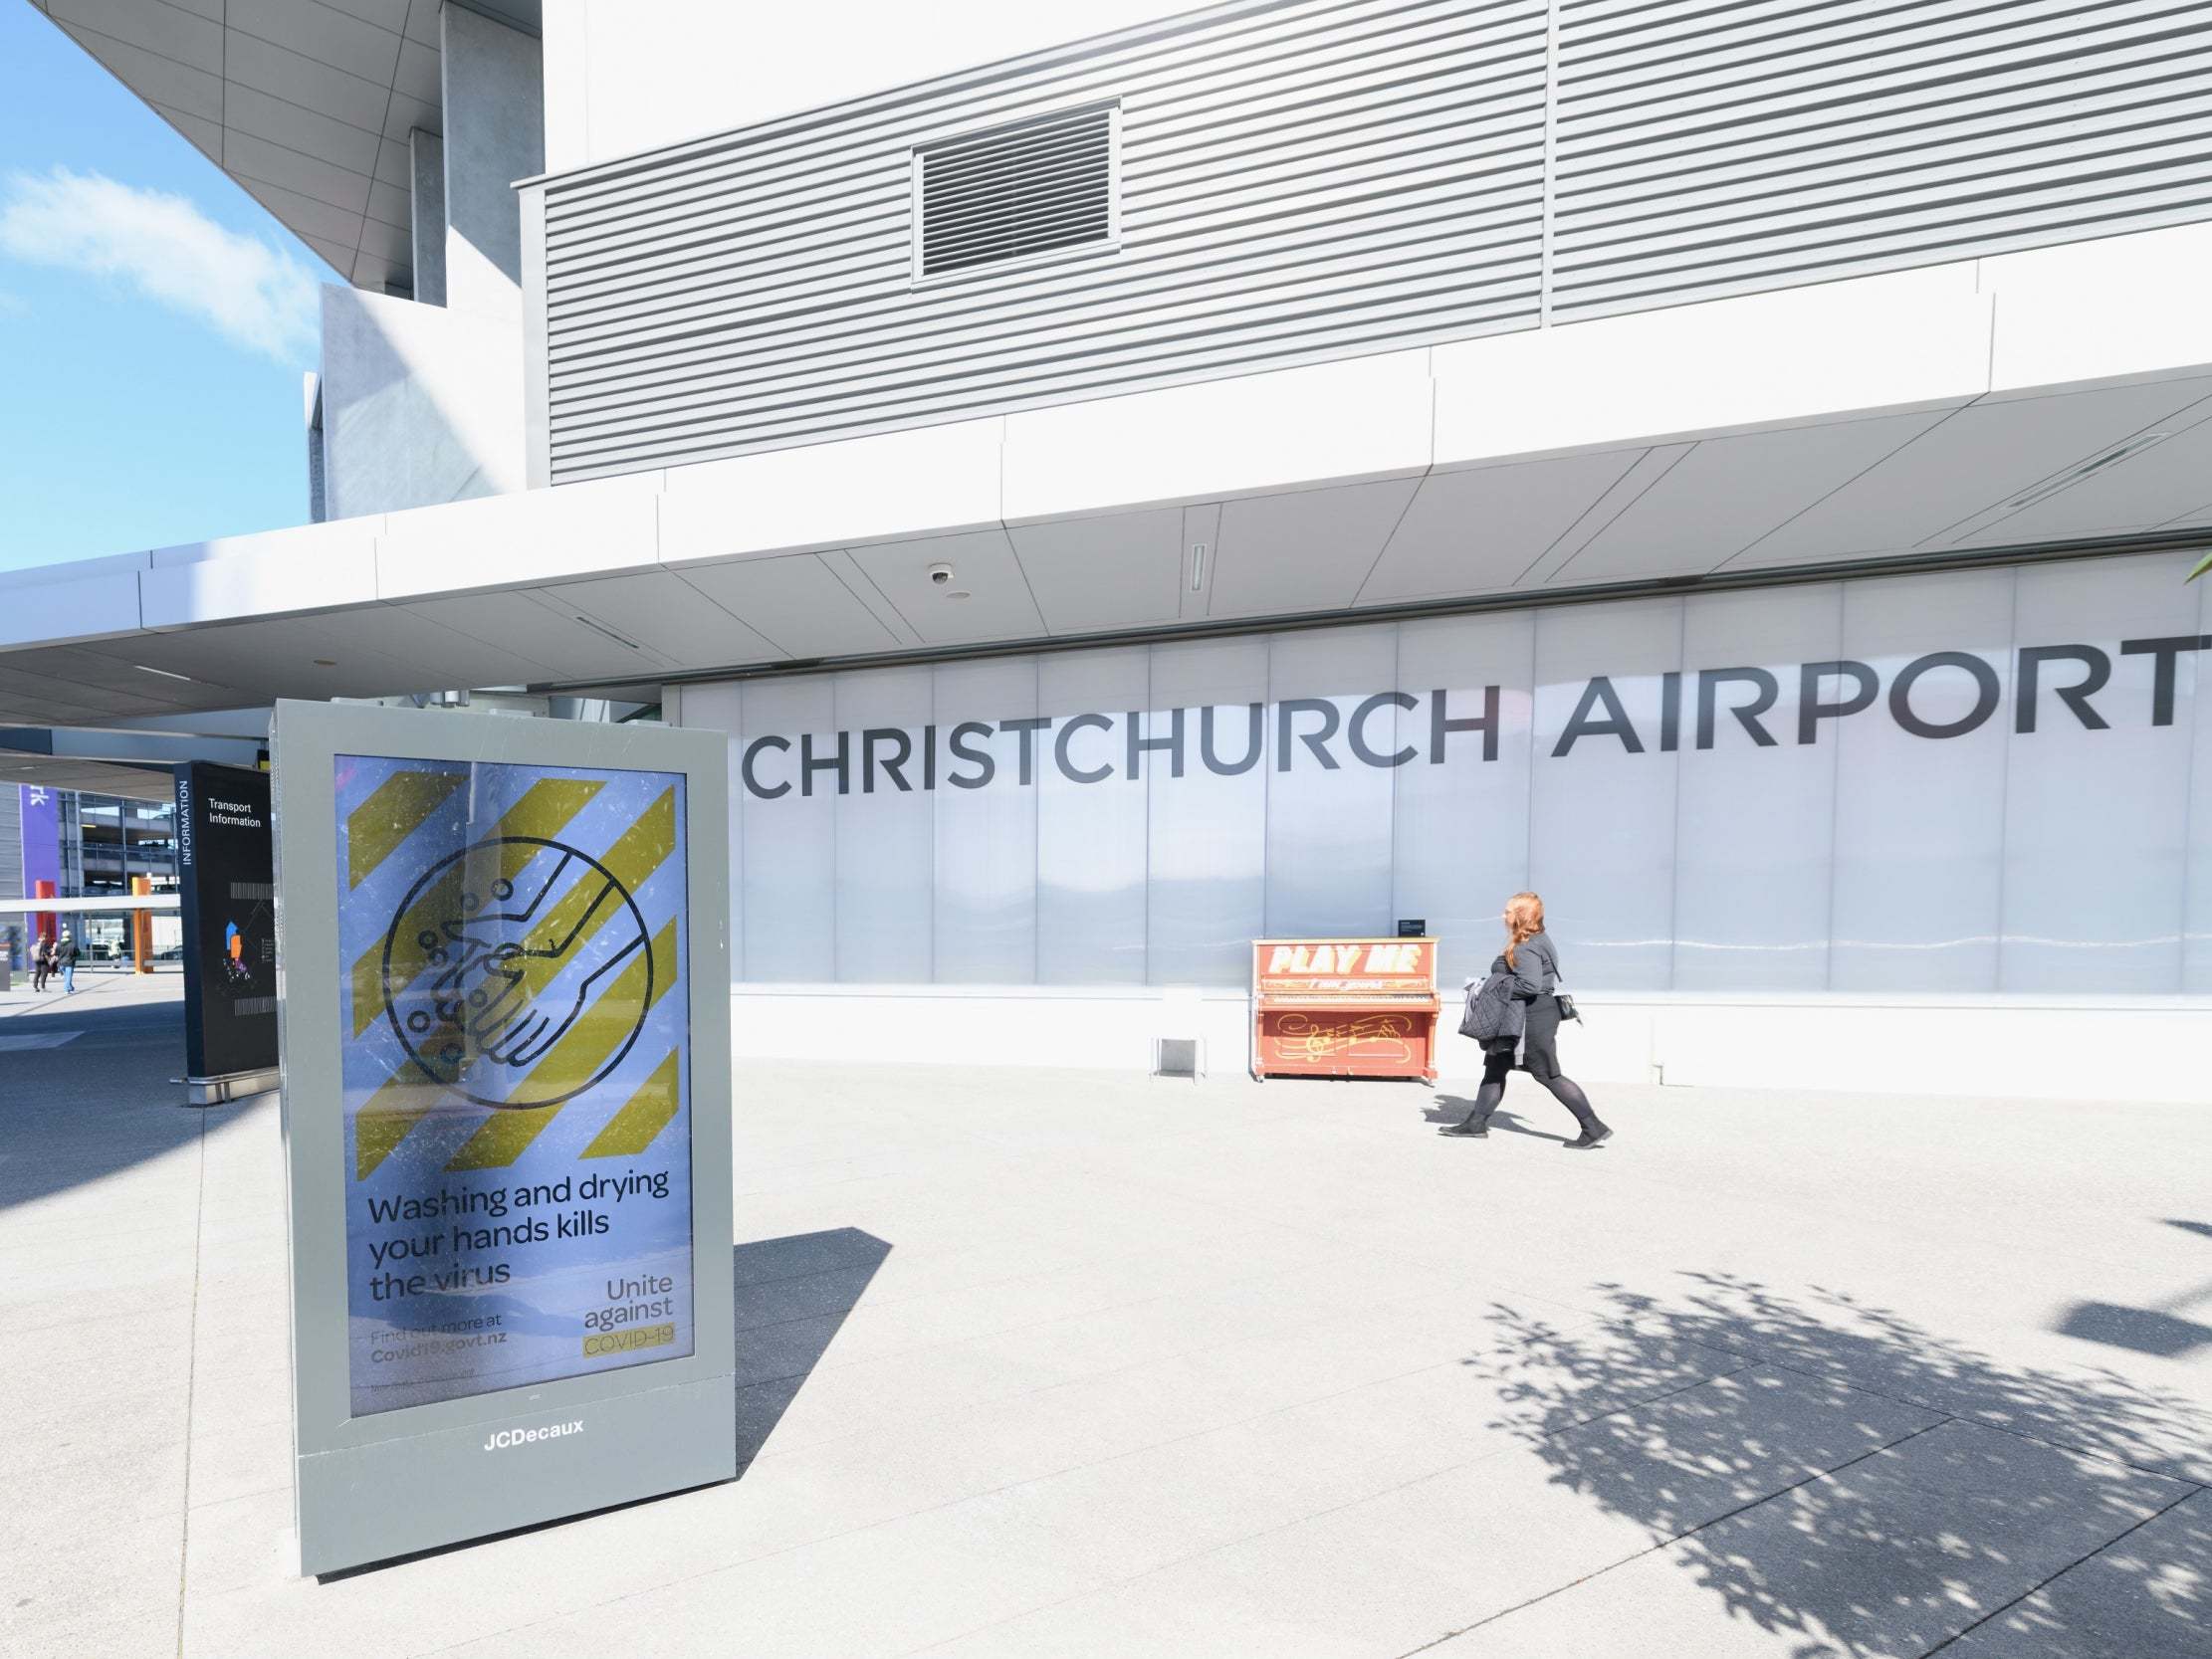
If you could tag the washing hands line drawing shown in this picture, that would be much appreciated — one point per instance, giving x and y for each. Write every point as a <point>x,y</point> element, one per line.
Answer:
<point>481,1004</point>
<point>504,1023</point>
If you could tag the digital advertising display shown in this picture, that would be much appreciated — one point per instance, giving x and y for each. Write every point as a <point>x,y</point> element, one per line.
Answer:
<point>516,1074</point>
<point>503,998</point>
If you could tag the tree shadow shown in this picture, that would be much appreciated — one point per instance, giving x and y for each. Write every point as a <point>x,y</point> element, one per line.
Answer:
<point>792,1293</point>
<point>1838,1476</point>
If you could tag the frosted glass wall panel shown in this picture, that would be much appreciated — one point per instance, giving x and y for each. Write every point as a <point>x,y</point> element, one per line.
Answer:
<point>718,708</point>
<point>1328,812</point>
<point>2197,917</point>
<point>788,914</point>
<point>1919,820</point>
<point>1602,807</point>
<point>2095,814</point>
<point>1208,835</point>
<point>885,825</point>
<point>1916,822</point>
<point>1462,825</point>
<point>1091,818</point>
<point>1757,806</point>
<point>987,835</point>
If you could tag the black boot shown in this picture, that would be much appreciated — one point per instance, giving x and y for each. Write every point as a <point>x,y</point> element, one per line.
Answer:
<point>1475,1126</point>
<point>1568,1093</point>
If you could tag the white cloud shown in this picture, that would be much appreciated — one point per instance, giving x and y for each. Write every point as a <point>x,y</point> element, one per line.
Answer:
<point>250,293</point>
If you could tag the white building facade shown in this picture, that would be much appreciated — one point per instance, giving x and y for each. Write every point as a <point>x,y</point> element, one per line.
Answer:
<point>1284,470</point>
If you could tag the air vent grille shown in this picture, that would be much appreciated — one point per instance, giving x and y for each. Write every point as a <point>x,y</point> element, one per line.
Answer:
<point>1015,192</point>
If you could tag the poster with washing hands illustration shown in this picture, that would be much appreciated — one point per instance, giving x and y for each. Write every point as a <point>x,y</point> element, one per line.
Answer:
<point>516,1074</point>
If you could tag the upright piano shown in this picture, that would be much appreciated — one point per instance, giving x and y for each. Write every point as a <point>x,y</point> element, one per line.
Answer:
<point>1345,1007</point>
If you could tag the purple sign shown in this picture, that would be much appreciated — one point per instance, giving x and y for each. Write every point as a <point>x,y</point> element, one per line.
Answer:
<point>42,846</point>
<point>42,838</point>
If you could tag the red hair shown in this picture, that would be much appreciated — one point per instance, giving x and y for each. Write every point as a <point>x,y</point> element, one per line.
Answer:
<point>1524,918</point>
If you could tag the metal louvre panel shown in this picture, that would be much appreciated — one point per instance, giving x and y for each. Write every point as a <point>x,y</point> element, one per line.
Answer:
<point>1441,117</point>
<point>1298,181</point>
<point>1314,209</point>
<point>1302,179</point>
<point>775,285</point>
<point>703,383</point>
<point>706,188</point>
<point>1416,322</point>
<point>1258,32</point>
<point>1705,149</point>
<point>682,367</point>
<point>833,372</point>
<point>1234,305</point>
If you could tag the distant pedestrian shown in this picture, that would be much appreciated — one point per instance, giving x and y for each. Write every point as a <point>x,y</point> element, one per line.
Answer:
<point>65,955</point>
<point>42,963</point>
<point>1522,1001</point>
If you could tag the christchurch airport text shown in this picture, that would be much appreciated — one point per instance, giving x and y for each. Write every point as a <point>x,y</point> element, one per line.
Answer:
<point>1944,694</point>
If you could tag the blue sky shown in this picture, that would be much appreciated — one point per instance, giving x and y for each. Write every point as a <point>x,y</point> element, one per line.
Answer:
<point>154,322</point>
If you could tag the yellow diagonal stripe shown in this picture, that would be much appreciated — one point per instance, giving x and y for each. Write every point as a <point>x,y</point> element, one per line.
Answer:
<point>635,855</point>
<point>542,809</point>
<point>406,1096</point>
<point>598,1032</point>
<point>631,1129</point>
<point>394,811</point>
<point>378,1132</point>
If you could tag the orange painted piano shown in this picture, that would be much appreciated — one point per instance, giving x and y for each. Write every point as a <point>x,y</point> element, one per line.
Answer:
<point>1345,1007</point>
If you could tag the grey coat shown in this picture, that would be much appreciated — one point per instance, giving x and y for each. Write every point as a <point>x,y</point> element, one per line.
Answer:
<point>1535,965</point>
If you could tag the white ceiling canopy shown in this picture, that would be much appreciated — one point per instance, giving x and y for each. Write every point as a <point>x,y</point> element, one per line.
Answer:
<point>1838,493</point>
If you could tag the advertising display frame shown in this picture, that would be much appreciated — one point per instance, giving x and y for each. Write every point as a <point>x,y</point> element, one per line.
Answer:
<point>371,1487</point>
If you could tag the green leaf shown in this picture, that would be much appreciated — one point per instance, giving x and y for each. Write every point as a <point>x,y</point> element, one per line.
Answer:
<point>2203,565</point>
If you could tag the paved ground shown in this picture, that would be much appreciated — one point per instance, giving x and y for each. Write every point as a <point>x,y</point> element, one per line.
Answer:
<point>1076,1365</point>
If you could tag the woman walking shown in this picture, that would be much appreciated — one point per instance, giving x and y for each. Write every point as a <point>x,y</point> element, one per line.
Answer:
<point>1533,963</point>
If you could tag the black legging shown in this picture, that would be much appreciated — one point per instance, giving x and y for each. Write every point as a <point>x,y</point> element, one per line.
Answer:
<point>1565,1090</point>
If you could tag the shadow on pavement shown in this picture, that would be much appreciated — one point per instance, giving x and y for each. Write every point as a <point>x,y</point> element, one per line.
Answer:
<point>2158,1329</point>
<point>1955,1510</point>
<point>793,1295</point>
<point>2139,1329</point>
<point>99,1100</point>
<point>1450,1109</point>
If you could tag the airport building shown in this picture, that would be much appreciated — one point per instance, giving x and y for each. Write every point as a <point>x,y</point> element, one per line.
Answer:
<point>1285,470</point>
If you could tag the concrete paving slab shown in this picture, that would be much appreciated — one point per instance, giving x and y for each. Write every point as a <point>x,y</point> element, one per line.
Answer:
<point>2149,1591</point>
<point>1398,1569</point>
<point>1082,1364</point>
<point>1892,1554</point>
<point>101,1580</point>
